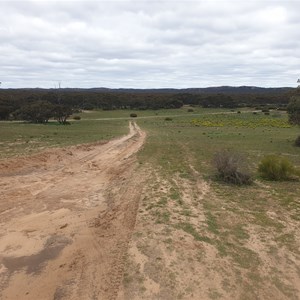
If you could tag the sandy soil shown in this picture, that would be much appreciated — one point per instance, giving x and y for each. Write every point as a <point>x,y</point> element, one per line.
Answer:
<point>66,218</point>
<point>176,252</point>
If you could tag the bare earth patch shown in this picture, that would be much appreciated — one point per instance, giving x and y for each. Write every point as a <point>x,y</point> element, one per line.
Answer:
<point>191,243</point>
<point>66,220</point>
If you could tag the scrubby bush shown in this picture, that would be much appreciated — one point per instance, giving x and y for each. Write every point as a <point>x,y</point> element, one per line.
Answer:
<point>297,141</point>
<point>190,110</point>
<point>76,118</point>
<point>133,115</point>
<point>273,167</point>
<point>232,167</point>
<point>168,119</point>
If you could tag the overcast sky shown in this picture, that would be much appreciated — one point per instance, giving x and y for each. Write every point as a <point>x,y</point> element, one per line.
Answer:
<point>149,44</point>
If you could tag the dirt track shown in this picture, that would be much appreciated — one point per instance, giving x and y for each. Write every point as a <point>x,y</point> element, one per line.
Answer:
<point>66,217</point>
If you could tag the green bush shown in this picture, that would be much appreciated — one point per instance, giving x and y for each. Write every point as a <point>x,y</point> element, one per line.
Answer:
<point>232,167</point>
<point>168,119</point>
<point>190,110</point>
<point>273,167</point>
<point>76,118</point>
<point>133,115</point>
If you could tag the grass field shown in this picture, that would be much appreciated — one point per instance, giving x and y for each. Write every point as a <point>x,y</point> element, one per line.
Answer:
<point>249,228</point>
<point>19,138</point>
<point>245,238</point>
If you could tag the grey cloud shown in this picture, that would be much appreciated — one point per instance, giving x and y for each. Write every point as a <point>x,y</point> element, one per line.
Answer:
<point>143,44</point>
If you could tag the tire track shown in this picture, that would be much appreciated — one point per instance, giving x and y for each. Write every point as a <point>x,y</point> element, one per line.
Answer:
<point>86,204</point>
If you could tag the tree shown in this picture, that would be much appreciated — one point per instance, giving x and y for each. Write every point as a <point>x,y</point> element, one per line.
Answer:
<point>61,113</point>
<point>5,109</point>
<point>36,112</point>
<point>293,110</point>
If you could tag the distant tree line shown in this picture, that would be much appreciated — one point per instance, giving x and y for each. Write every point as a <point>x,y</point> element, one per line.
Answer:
<point>39,105</point>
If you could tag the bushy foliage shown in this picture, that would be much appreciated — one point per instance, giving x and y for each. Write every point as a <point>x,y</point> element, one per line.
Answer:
<point>232,167</point>
<point>77,118</point>
<point>273,167</point>
<point>168,119</point>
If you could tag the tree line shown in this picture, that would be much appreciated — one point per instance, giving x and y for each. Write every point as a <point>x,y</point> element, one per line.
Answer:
<point>39,105</point>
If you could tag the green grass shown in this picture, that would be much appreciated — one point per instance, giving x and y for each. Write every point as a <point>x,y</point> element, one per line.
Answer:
<point>189,228</point>
<point>18,138</point>
<point>168,140</point>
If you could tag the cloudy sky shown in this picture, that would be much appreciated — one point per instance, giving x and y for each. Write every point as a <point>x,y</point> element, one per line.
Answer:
<point>149,44</point>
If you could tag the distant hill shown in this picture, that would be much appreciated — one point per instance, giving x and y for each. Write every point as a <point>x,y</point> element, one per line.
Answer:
<point>207,90</point>
<point>230,90</point>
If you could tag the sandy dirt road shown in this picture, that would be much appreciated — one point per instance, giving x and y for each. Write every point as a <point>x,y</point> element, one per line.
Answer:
<point>66,217</point>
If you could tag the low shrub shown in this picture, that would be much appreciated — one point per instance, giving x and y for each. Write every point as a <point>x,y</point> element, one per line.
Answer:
<point>274,167</point>
<point>133,115</point>
<point>267,113</point>
<point>168,119</point>
<point>190,110</point>
<point>232,167</point>
<point>76,118</point>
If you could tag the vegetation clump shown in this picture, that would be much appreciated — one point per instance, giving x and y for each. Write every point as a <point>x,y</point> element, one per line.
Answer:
<point>168,119</point>
<point>277,168</point>
<point>133,115</point>
<point>77,118</point>
<point>293,110</point>
<point>231,167</point>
